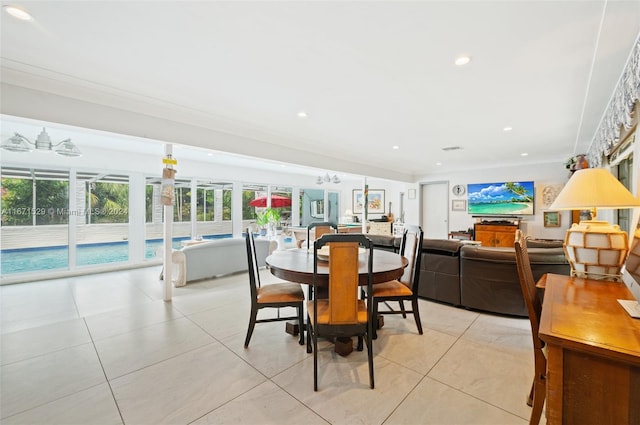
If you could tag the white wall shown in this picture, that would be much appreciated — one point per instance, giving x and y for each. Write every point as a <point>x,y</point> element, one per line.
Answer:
<point>542,175</point>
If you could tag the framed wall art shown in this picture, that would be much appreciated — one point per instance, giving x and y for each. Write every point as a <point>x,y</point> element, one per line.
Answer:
<point>458,205</point>
<point>376,201</point>
<point>551,219</point>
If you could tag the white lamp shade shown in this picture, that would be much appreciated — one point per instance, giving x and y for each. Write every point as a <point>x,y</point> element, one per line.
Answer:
<point>594,188</point>
<point>595,249</point>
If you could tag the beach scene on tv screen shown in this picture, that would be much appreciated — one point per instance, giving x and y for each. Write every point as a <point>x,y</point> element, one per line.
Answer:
<point>506,198</point>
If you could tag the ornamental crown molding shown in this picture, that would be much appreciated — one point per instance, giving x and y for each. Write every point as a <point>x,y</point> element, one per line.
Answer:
<point>619,111</point>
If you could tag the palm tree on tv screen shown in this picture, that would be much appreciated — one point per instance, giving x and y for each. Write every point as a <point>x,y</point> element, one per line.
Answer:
<point>518,190</point>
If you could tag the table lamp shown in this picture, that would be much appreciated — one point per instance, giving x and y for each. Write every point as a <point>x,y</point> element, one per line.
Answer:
<point>595,249</point>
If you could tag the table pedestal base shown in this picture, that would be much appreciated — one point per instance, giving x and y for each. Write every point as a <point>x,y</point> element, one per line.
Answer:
<point>343,346</point>
<point>292,327</point>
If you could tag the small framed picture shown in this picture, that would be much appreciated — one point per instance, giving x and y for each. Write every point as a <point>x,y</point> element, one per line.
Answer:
<point>412,194</point>
<point>375,199</point>
<point>551,219</point>
<point>458,205</point>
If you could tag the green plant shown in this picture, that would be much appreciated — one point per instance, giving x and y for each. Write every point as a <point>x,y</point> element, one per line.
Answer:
<point>274,217</point>
<point>268,216</point>
<point>262,219</point>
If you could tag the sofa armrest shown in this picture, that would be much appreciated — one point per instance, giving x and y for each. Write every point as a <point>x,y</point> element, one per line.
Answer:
<point>179,274</point>
<point>441,246</point>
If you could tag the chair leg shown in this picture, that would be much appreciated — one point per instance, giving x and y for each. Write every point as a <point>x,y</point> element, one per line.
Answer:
<point>309,349</point>
<point>252,324</point>
<point>538,402</point>
<point>416,314</point>
<point>370,354</point>
<point>301,324</point>
<point>374,335</point>
<point>530,398</point>
<point>360,344</point>
<point>315,358</point>
<point>404,312</point>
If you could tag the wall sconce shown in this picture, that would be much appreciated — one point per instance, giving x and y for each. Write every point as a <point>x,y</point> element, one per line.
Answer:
<point>19,143</point>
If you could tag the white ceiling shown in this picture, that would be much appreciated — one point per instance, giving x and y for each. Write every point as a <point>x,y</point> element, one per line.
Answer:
<point>369,75</point>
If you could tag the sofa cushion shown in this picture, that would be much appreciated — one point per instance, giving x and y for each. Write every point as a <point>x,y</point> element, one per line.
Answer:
<point>507,255</point>
<point>441,246</point>
<point>545,243</point>
<point>217,257</point>
<point>489,277</point>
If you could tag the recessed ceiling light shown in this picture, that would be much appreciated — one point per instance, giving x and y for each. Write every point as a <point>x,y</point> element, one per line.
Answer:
<point>507,129</point>
<point>396,147</point>
<point>18,13</point>
<point>524,154</point>
<point>438,163</point>
<point>462,60</point>
<point>302,114</point>
<point>209,154</point>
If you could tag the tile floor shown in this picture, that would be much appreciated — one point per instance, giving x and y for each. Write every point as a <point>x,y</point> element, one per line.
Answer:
<point>106,349</point>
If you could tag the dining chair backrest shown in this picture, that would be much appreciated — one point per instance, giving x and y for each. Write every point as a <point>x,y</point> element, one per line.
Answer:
<point>341,313</point>
<point>274,295</point>
<point>252,259</point>
<point>411,248</point>
<point>320,228</point>
<point>343,297</point>
<point>537,394</point>
<point>528,286</point>
<point>344,263</point>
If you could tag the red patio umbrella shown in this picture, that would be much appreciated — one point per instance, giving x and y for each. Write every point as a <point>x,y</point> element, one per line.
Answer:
<point>277,201</point>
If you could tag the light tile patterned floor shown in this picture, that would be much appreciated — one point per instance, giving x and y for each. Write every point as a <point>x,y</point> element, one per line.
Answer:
<point>106,349</point>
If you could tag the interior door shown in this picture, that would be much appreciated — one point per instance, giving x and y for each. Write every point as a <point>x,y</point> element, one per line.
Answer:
<point>434,210</point>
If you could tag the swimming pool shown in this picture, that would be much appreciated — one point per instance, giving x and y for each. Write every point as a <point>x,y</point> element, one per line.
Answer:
<point>57,257</point>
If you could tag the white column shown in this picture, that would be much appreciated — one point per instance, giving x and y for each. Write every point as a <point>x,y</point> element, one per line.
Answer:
<point>194,208</point>
<point>168,235</point>
<point>72,219</point>
<point>156,204</point>
<point>137,205</point>
<point>81,203</point>
<point>236,210</point>
<point>217,205</point>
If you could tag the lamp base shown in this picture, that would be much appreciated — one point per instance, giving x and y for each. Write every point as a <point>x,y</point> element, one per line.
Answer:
<point>596,249</point>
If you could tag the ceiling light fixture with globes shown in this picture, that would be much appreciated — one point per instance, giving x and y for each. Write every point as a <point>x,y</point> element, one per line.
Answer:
<point>19,143</point>
<point>328,179</point>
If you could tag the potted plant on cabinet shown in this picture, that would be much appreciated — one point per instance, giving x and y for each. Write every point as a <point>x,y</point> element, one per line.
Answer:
<point>262,221</point>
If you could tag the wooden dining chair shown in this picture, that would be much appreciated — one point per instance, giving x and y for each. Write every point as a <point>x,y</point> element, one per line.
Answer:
<point>320,227</point>
<point>342,313</point>
<point>406,287</point>
<point>534,308</point>
<point>273,295</point>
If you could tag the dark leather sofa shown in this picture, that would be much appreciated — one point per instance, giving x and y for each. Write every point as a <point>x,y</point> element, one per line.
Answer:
<point>385,242</point>
<point>440,270</point>
<point>483,278</point>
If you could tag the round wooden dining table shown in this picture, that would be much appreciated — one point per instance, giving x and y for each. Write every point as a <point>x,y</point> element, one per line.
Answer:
<point>296,265</point>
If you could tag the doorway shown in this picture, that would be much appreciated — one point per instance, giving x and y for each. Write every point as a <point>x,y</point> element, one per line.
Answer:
<point>434,211</point>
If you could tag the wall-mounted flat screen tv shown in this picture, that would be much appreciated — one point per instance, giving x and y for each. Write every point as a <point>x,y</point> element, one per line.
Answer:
<point>505,198</point>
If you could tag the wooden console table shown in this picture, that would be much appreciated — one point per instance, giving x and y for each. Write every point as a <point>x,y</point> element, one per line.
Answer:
<point>593,357</point>
<point>495,234</point>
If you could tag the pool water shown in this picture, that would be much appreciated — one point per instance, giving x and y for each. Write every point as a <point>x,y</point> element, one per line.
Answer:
<point>57,257</point>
